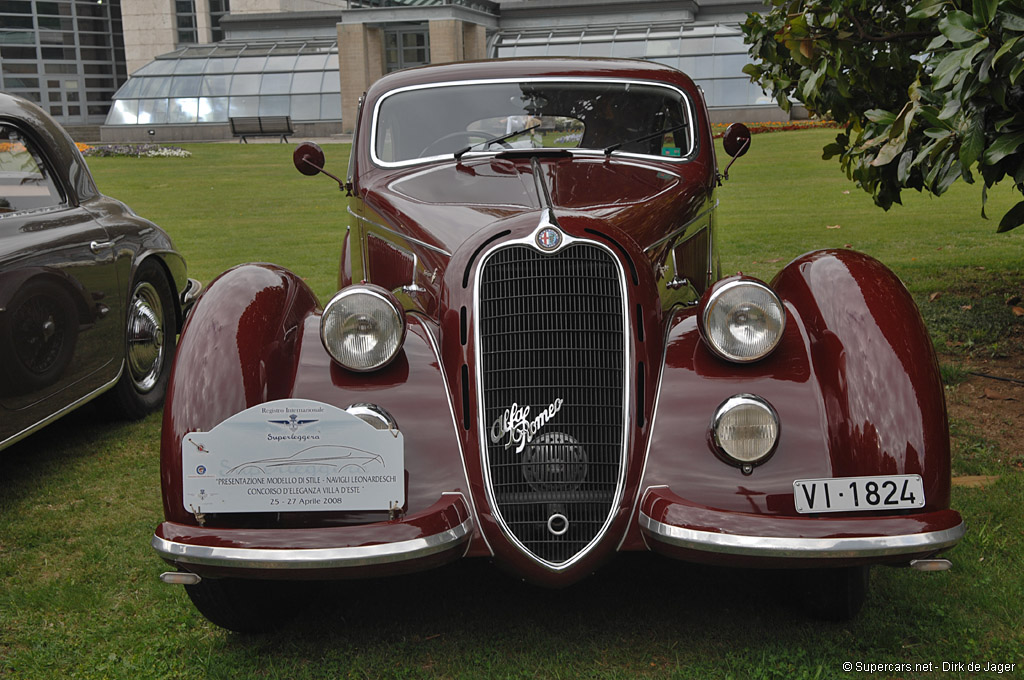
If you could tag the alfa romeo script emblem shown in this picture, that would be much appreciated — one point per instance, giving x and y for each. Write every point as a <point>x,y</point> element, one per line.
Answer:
<point>549,238</point>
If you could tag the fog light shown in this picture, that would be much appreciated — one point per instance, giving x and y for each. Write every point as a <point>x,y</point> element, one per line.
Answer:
<point>363,328</point>
<point>745,429</point>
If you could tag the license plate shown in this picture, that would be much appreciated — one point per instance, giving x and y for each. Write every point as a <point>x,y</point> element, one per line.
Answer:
<point>847,494</point>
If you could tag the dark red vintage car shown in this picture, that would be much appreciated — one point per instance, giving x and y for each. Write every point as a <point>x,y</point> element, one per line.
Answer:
<point>532,358</point>
<point>91,295</point>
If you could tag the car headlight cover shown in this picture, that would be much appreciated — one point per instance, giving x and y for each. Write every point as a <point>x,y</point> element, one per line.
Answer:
<point>363,327</point>
<point>743,320</point>
<point>745,428</point>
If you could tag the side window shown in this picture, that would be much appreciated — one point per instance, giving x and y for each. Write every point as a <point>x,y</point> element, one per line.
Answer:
<point>25,183</point>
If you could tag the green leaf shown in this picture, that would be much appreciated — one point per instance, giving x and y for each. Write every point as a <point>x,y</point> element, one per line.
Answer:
<point>926,9</point>
<point>889,152</point>
<point>937,42</point>
<point>1015,73</point>
<point>946,69</point>
<point>1006,47</point>
<point>1011,20</point>
<point>903,169</point>
<point>951,108</point>
<point>972,143</point>
<point>971,52</point>
<point>931,116</point>
<point>1012,219</point>
<point>1004,146</point>
<point>937,133</point>
<point>984,11</point>
<point>958,26</point>
<point>1000,124</point>
<point>880,116</point>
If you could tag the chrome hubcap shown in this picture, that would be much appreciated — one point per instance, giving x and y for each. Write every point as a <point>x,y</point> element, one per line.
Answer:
<point>145,337</point>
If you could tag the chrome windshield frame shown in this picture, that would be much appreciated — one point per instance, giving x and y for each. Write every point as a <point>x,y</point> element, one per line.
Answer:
<point>689,109</point>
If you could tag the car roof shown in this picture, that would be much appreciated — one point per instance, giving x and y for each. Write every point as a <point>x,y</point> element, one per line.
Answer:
<point>533,67</point>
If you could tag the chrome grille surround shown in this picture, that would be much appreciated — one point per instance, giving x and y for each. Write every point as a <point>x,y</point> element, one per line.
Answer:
<point>556,524</point>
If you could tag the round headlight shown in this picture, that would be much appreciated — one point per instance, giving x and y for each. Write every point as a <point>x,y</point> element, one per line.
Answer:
<point>363,327</point>
<point>745,429</point>
<point>743,320</point>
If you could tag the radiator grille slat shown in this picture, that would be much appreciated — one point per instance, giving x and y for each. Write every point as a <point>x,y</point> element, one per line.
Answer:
<point>552,328</point>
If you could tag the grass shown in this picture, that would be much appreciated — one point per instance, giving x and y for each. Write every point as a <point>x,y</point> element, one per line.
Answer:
<point>79,597</point>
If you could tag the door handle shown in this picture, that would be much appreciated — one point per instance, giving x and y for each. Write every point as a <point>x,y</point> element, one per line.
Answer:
<point>98,246</point>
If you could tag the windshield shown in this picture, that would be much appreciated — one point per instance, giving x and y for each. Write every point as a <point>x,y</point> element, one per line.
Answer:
<point>429,122</point>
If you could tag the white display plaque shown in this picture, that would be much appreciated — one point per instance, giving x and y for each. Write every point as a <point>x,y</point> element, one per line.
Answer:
<point>292,455</point>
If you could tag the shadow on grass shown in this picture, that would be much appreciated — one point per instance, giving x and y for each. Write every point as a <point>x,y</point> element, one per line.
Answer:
<point>57,449</point>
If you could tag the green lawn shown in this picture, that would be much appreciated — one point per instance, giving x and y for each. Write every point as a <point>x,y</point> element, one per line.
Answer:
<point>79,595</point>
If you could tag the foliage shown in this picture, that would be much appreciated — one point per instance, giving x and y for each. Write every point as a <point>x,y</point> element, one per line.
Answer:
<point>134,151</point>
<point>928,92</point>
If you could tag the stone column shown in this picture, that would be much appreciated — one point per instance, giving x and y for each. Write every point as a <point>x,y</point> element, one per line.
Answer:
<point>361,63</point>
<point>446,41</point>
<point>149,30</point>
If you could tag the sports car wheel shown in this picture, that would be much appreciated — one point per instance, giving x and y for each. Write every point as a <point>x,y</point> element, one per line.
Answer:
<point>836,594</point>
<point>248,606</point>
<point>150,338</point>
<point>37,337</point>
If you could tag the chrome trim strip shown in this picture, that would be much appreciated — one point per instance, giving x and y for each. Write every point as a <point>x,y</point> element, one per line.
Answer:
<point>627,396</point>
<point>312,558</point>
<point>681,229</point>
<point>654,420</point>
<point>806,548</point>
<point>399,234</point>
<point>31,429</point>
<point>468,497</point>
<point>597,153</point>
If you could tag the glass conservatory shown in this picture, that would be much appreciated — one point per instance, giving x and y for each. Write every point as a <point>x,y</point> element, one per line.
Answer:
<point>712,54</point>
<point>212,83</point>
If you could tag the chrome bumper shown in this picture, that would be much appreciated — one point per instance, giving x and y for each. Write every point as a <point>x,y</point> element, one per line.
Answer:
<point>451,522</point>
<point>686,527</point>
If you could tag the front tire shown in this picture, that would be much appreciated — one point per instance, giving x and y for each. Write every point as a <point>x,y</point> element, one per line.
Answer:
<point>150,339</point>
<point>248,606</point>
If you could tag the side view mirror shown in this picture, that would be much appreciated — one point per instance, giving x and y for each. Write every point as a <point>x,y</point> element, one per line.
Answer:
<point>736,142</point>
<point>309,159</point>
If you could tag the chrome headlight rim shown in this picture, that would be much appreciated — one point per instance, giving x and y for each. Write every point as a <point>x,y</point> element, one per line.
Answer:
<point>715,294</point>
<point>728,406</point>
<point>379,293</point>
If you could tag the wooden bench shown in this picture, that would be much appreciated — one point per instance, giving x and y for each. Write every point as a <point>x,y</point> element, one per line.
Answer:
<point>261,126</point>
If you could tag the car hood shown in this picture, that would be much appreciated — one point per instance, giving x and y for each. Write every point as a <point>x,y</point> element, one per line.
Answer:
<point>444,205</point>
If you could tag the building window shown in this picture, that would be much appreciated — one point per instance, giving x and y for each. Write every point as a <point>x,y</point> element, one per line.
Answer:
<point>218,9</point>
<point>406,47</point>
<point>68,57</point>
<point>185,14</point>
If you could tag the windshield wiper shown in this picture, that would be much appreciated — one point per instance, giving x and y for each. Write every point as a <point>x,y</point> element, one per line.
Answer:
<point>496,140</point>
<point>615,147</point>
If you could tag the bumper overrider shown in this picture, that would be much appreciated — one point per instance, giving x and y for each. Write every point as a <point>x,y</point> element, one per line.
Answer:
<point>677,528</point>
<point>430,538</point>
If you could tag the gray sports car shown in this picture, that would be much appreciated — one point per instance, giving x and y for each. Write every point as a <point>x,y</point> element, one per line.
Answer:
<point>91,295</point>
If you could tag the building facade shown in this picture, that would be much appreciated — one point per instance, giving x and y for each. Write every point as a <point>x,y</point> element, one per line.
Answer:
<point>194,64</point>
<point>67,56</point>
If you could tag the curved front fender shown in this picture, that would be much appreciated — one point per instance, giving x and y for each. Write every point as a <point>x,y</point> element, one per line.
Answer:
<point>854,380</point>
<point>237,349</point>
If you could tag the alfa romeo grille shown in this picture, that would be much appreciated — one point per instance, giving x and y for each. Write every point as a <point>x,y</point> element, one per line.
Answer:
<point>553,374</point>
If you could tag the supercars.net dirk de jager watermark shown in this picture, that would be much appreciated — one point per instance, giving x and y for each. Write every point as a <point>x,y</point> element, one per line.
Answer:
<point>930,666</point>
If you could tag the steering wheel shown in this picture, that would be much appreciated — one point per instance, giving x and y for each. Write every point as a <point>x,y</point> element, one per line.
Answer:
<point>466,135</point>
